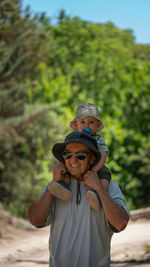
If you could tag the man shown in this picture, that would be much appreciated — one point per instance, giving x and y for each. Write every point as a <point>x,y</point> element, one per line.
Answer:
<point>80,236</point>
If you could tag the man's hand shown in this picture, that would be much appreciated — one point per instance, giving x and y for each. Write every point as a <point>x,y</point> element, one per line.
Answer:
<point>59,172</point>
<point>92,180</point>
<point>116,215</point>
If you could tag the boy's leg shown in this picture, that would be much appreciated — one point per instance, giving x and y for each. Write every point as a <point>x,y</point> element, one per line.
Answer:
<point>93,199</point>
<point>104,173</point>
<point>61,190</point>
<point>92,196</point>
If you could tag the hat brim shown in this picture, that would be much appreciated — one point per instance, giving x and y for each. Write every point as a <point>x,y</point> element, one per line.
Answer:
<point>59,148</point>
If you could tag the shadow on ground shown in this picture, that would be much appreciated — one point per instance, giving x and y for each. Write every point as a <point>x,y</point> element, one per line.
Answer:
<point>35,261</point>
<point>130,262</point>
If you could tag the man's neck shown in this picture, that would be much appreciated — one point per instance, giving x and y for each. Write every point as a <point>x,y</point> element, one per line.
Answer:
<point>79,178</point>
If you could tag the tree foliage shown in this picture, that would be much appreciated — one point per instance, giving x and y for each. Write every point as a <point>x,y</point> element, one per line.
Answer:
<point>46,70</point>
<point>25,135</point>
<point>97,63</point>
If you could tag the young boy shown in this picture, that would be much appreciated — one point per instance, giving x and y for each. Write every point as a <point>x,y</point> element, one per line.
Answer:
<point>87,120</point>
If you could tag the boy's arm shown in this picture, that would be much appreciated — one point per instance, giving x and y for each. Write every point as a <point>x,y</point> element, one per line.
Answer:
<point>101,162</point>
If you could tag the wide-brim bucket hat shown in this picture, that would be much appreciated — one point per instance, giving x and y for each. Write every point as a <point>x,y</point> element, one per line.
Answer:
<point>85,110</point>
<point>76,137</point>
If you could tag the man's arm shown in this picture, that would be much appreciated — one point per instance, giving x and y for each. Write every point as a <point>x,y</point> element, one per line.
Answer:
<point>38,211</point>
<point>115,214</point>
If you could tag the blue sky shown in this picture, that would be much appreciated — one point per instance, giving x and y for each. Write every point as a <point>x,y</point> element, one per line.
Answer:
<point>125,14</point>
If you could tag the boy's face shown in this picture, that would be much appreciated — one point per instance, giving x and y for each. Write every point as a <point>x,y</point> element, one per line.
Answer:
<point>87,122</point>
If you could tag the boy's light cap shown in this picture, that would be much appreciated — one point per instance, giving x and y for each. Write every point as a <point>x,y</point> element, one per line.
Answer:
<point>85,110</point>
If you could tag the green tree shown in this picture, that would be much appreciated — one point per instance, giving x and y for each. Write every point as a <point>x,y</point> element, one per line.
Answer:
<point>45,72</point>
<point>25,136</point>
<point>98,63</point>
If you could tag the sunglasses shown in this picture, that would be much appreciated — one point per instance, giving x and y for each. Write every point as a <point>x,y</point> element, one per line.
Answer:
<point>81,155</point>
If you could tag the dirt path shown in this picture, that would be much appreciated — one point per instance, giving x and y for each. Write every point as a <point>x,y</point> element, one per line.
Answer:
<point>129,246</point>
<point>26,249</point>
<point>29,248</point>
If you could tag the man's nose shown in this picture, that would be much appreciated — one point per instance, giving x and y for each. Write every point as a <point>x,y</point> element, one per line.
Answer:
<point>73,158</point>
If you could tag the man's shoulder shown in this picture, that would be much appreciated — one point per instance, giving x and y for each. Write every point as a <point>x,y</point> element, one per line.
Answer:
<point>114,188</point>
<point>116,194</point>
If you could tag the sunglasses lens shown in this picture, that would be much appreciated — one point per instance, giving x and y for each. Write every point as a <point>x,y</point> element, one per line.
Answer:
<point>67,154</point>
<point>81,157</point>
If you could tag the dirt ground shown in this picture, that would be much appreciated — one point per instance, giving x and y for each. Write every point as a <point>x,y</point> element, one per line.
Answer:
<point>21,245</point>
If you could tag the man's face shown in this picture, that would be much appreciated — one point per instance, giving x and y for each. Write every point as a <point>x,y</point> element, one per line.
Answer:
<point>73,164</point>
<point>88,122</point>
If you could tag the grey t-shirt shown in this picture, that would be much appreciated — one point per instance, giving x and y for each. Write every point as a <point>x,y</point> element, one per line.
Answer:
<point>79,236</point>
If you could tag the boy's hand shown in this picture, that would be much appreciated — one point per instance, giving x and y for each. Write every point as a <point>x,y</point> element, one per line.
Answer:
<point>59,172</point>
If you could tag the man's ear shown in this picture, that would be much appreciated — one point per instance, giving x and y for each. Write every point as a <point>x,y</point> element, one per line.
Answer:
<point>92,159</point>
